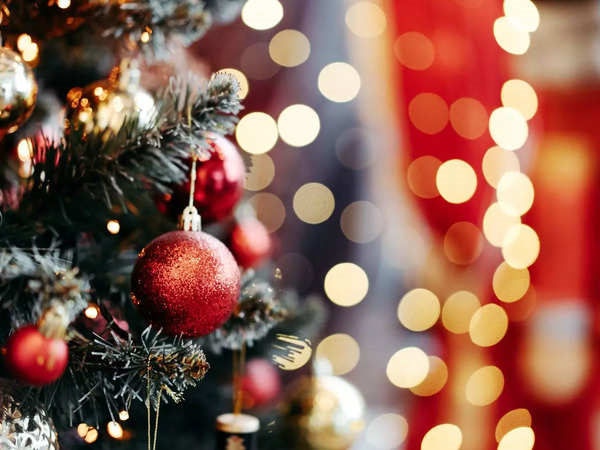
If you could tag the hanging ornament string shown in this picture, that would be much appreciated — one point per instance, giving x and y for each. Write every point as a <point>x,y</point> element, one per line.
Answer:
<point>152,440</point>
<point>156,420</point>
<point>239,367</point>
<point>190,219</point>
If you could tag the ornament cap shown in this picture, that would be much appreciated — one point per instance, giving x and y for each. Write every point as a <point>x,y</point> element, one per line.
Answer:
<point>237,423</point>
<point>54,322</point>
<point>190,220</point>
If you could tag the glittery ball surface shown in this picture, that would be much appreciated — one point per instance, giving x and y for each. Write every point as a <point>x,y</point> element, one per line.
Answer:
<point>185,282</point>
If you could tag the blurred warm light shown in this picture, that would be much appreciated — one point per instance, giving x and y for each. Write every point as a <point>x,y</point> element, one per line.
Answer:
<point>414,50</point>
<point>366,19</point>
<point>510,36</point>
<point>346,284</point>
<point>435,380</point>
<point>91,436</point>
<point>496,162</point>
<point>91,312</point>
<point>352,150</point>
<point>468,117</point>
<point>256,62</point>
<point>442,437</point>
<point>123,415</point>
<point>269,210</point>
<point>361,222</point>
<point>519,94</point>
<point>387,431</point>
<point>521,246</point>
<point>262,14</point>
<point>82,429</point>
<point>421,174</point>
<point>458,310</point>
<point>339,82</point>
<point>313,203</point>
<point>419,309</point>
<point>113,226</point>
<point>24,150</point>
<point>31,52</point>
<point>289,48</point>
<point>488,325</point>
<point>456,181</point>
<point>508,128</point>
<point>521,438</point>
<point>523,12</point>
<point>260,174</point>
<point>340,351</point>
<point>63,4</point>
<point>291,352</point>
<point>114,429</point>
<point>256,133</point>
<point>515,418</point>
<point>145,37</point>
<point>88,433</point>
<point>510,284</point>
<point>515,193</point>
<point>484,386</point>
<point>240,78</point>
<point>298,125</point>
<point>496,223</point>
<point>463,243</point>
<point>428,112</point>
<point>23,41</point>
<point>408,367</point>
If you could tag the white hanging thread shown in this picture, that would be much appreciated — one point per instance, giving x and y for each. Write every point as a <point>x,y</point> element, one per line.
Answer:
<point>190,220</point>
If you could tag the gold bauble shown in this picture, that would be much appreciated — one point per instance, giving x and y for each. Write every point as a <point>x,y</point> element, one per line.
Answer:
<point>104,105</point>
<point>18,91</point>
<point>328,411</point>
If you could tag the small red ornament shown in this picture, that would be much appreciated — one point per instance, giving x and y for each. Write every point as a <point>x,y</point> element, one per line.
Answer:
<point>261,383</point>
<point>219,184</point>
<point>34,358</point>
<point>185,282</point>
<point>250,242</point>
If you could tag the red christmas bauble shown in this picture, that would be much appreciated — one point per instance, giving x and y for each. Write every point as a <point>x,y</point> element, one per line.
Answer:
<point>185,282</point>
<point>219,184</point>
<point>34,358</point>
<point>250,242</point>
<point>261,383</point>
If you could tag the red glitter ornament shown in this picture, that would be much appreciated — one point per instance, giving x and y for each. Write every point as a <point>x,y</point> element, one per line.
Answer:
<point>185,282</point>
<point>261,383</point>
<point>219,184</point>
<point>250,242</point>
<point>34,358</point>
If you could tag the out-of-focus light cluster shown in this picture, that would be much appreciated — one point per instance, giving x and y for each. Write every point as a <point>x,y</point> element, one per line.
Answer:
<point>456,181</point>
<point>86,432</point>
<point>521,438</point>
<point>346,284</point>
<point>458,310</point>
<point>446,436</point>
<point>419,309</point>
<point>510,284</point>
<point>436,378</point>
<point>408,367</point>
<point>114,429</point>
<point>289,48</point>
<point>25,156</point>
<point>496,162</point>
<point>339,82</point>
<point>366,19</point>
<point>313,203</point>
<point>113,226</point>
<point>262,14</point>
<point>298,125</point>
<point>387,431</point>
<point>516,418</point>
<point>340,352</point>
<point>256,133</point>
<point>91,312</point>
<point>484,386</point>
<point>63,4</point>
<point>488,325</point>
<point>28,48</point>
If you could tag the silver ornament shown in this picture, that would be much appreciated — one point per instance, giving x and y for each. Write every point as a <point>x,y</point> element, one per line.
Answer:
<point>18,90</point>
<point>25,432</point>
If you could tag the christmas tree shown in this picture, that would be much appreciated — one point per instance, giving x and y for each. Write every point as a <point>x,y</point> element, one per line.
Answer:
<point>96,336</point>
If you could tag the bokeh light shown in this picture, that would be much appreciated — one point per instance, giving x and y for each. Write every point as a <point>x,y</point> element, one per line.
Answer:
<point>123,415</point>
<point>361,222</point>
<point>496,162</point>
<point>496,223</point>
<point>289,48</point>
<point>346,284</point>
<point>421,174</point>
<point>468,117</point>
<point>269,210</point>
<point>352,150</point>
<point>463,243</point>
<point>442,437</point>
<point>521,438</point>
<point>419,309</point>
<point>510,36</point>
<point>256,133</point>
<point>484,386</point>
<point>339,82</point>
<point>428,112</point>
<point>521,246</point>
<point>408,367</point>
<point>260,173</point>
<point>114,429</point>
<point>243,84</point>
<point>458,310</point>
<point>387,431</point>
<point>366,19</point>
<point>508,128</point>
<point>488,325</point>
<point>340,351</point>
<point>435,380</point>
<point>515,193</point>
<point>519,94</point>
<point>523,12</point>
<point>262,14</point>
<point>510,284</point>
<point>91,312</point>
<point>113,226</point>
<point>515,418</point>
<point>456,181</point>
<point>313,203</point>
<point>298,125</point>
<point>414,50</point>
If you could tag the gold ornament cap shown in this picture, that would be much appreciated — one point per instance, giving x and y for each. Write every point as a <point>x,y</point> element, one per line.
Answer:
<point>54,322</point>
<point>237,423</point>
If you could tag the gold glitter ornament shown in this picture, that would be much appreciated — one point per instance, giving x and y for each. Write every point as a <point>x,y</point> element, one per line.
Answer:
<point>18,91</point>
<point>103,106</point>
